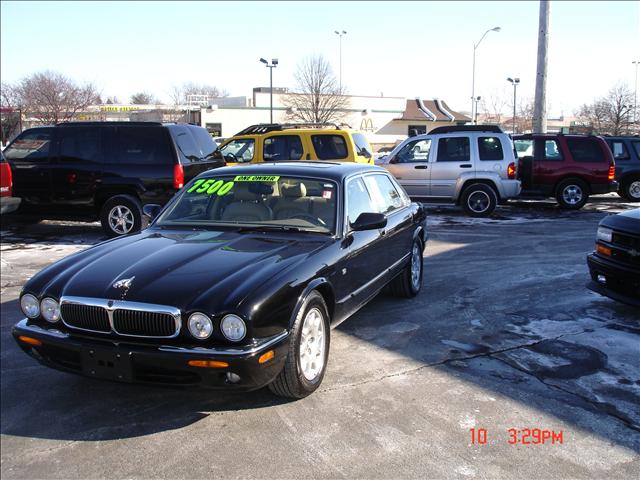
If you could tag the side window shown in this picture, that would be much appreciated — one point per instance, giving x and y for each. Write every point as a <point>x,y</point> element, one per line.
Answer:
<point>619,150</point>
<point>416,151</point>
<point>362,145</point>
<point>454,149</point>
<point>384,193</point>
<point>524,148</point>
<point>282,147</point>
<point>187,148</point>
<point>585,149</point>
<point>636,147</point>
<point>143,146</point>
<point>30,145</point>
<point>204,141</point>
<point>490,148</point>
<point>80,145</point>
<point>239,150</point>
<point>358,200</point>
<point>552,150</point>
<point>329,147</point>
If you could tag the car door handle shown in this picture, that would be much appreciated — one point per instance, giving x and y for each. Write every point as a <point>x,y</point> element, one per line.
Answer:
<point>466,165</point>
<point>420,167</point>
<point>383,232</point>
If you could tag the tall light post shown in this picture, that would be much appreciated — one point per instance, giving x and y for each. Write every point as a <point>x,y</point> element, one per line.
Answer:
<point>340,34</point>
<point>635,94</point>
<point>514,82</point>
<point>274,63</point>
<point>473,75</point>
<point>476,100</point>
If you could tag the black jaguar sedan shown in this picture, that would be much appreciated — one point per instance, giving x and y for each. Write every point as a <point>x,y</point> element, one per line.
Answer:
<point>236,282</point>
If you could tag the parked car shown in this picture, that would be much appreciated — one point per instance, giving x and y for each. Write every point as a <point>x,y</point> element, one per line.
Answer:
<point>615,264</point>
<point>471,166</point>
<point>278,142</point>
<point>626,153</point>
<point>8,203</point>
<point>236,282</point>
<point>106,170</point>
<point>567,167</point>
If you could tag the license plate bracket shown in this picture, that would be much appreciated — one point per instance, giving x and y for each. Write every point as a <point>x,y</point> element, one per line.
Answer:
<point>107,364</point>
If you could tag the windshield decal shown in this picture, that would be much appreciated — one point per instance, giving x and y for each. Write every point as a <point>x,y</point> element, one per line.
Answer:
<point>211,186</point>
<point>256,178</point>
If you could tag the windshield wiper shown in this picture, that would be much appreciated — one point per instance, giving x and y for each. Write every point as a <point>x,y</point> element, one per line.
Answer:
<point>270,228</point>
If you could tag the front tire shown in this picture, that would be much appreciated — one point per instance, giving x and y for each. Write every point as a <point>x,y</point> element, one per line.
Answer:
<point>121,215</point>
<point>572,194</point>
<point>409,282</point>
<point>479,200</point>
<point>308,353</point>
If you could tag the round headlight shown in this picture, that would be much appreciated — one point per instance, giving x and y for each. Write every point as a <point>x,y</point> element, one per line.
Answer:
<point>50,310</point>
<point>233,328</point>
<point>200,326</point>
<point>30,306</point>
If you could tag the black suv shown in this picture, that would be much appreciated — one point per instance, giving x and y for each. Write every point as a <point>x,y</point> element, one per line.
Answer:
<point>626,152</point>
<point>106,170</point>
<point>615,264</point>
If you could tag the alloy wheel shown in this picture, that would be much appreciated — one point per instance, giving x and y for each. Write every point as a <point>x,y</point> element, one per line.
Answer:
<point>312,341</point>
<point>121,219</point>
<point>479,201</point>
<point>572,194</point>
<point>416,267</point>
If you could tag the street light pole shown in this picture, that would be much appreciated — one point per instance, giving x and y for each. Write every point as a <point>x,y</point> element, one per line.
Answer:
<point>473,73</point>
<point>635,94</point>
<point>340,34</point>
<point>514,82</point>
<point>274,63</point>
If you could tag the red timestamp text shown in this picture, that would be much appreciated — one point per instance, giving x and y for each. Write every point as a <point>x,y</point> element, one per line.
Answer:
<point>521,436</point>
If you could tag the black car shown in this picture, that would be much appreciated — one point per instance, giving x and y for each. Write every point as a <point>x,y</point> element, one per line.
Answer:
<point>106,170</point>
<point>236,282</point>
<point>615,264</point>
<point>626,152</point>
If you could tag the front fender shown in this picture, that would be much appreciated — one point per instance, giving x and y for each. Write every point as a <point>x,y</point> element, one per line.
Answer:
<point>312,285</point>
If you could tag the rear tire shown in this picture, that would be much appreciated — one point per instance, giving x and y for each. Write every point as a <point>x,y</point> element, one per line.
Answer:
<point>572,194</point>
<point>479,200</point>
<point>630,189</point>
<point>308,353</point>
<point>409,282</point>
<point>121,215</point>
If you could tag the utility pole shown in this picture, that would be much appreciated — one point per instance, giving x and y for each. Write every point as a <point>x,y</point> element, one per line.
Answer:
<point>474,112</point>
<point>340,34</point>
<point>540,105</point>
<point>514,81</point>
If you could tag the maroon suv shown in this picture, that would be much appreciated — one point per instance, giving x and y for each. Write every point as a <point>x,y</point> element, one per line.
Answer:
<point>567,167</point>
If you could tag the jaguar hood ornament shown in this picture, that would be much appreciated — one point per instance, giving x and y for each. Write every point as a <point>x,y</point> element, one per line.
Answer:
<point>123,285</point>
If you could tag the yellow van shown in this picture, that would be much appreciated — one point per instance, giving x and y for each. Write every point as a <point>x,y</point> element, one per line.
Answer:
<point>280,142</point>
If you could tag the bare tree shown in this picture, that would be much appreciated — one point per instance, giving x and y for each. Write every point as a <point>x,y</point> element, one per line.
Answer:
<point>179,93</point>
<point>50,97</point>
<point>493,106</point>
<point>143,98</point>
<point>611,114</point>
<point>317,97</point>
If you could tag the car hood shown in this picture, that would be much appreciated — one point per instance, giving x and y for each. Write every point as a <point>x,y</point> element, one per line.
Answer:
<point>185,269</point>
<point>628,221</point>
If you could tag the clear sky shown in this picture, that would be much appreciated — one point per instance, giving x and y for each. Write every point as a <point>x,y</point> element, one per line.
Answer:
<point>403,49</point>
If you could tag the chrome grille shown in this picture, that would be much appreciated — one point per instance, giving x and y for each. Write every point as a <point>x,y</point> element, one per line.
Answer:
<point>86,317</point>
<point>121,317</point>
<point>144,324</point>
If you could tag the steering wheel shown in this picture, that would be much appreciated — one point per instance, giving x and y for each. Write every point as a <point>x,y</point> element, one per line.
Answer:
<point>310,218</point>
<point>231,155</point>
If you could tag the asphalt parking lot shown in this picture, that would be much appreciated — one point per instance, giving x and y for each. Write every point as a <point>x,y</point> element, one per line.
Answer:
<point>503,335</point>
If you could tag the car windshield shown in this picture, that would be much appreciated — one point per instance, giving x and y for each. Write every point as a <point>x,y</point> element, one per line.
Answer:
<point>255,202</point>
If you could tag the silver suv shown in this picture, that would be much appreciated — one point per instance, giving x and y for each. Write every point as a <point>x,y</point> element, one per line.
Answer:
<point>473,166</point>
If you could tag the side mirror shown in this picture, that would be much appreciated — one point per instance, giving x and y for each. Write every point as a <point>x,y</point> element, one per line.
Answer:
<point>151,210</point>
<point>369,221</point>
<point>365,153</point>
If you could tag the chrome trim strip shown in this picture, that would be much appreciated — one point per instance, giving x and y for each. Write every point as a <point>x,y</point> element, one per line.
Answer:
<point>374,279</point>
<point>266,343</point>
<point>112,305</point>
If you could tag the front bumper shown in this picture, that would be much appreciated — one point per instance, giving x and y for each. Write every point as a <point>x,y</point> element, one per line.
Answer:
<point>620,283</point>
<point>154,364</point>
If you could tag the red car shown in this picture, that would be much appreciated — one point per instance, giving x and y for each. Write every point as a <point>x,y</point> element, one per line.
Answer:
<point>7,202</point>
<point>567,167</point>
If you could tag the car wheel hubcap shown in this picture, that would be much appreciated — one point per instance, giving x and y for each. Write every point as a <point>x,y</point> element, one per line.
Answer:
<point>416,267</point>
<point>572,194</point>
<point>121,219</point>
<point>479,201</point>
<point>634,189</point>
<point>312,344</point>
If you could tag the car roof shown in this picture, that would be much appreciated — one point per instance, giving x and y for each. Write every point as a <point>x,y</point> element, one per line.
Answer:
<point>323,169</point>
